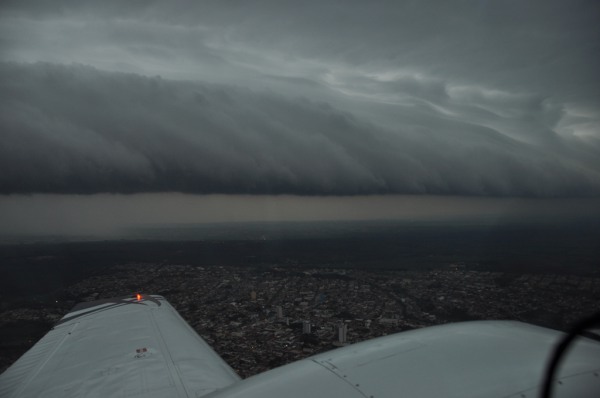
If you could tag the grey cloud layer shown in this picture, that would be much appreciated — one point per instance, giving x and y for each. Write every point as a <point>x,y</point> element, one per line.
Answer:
<point>76,129</point>
<point>328,97</point>
<point>550,46</point>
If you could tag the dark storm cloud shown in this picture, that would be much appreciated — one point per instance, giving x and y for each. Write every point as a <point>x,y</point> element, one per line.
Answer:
<point>336,97</point>
<point>548,46</point>
<point>79,130</point>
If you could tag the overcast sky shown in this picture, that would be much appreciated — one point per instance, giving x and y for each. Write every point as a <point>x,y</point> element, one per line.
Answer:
<point>475,98</point>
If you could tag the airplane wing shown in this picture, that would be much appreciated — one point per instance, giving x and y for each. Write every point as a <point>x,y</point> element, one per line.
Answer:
<point>461,360</point>
<point>115,348</point>
<point>129,347</point>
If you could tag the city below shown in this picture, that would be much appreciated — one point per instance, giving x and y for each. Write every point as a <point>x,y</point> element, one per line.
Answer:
<point>257,318</point>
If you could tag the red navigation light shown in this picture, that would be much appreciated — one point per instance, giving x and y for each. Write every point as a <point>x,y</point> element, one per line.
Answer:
<point>138,297</point>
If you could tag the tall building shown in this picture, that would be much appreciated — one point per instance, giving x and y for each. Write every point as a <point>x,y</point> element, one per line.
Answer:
<point>279,312</point>
<point>306,327</point>
<point>343,333</point>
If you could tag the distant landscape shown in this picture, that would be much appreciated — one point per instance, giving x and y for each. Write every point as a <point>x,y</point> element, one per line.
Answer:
<point>42,278</point>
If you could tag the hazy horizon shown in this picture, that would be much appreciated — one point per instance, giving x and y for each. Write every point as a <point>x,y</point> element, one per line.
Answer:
<point>106,214</point>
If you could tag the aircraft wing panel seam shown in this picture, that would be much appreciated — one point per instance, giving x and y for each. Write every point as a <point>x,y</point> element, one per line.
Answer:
<point>179,384</point>
<point>19,391</point>
<point>340,376</point>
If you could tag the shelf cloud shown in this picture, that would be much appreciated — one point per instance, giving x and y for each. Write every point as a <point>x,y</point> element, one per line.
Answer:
<point>339,98</point>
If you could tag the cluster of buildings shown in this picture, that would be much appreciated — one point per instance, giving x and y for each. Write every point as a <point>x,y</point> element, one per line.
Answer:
<point>260,318</point>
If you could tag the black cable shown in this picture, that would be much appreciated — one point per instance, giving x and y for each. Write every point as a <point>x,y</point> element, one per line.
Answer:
<point>560,350</point>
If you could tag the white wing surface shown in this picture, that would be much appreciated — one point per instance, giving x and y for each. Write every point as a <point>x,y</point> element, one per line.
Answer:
<point>118,348</point>
<point>470,359</point>
<point>127,347</point>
